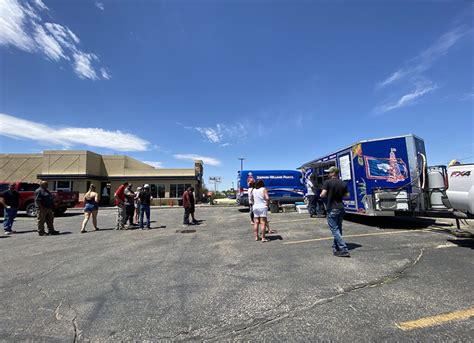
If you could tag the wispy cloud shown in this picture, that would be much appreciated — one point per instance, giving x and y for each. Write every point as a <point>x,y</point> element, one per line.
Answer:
<point>207,160</point>
<point>221,133</point>
<point>22,27</point>
<point>100,5</point>
<point>406,100</point>
<point>154,164</point>
<point>67,137</point>
<point>414,67</point>
<point>467,96</point>
<point>413,72</point>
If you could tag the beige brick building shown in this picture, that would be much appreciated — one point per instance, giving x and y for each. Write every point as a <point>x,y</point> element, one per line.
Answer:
<point>75,170</point>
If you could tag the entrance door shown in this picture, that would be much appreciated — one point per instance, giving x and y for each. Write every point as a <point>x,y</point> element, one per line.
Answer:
<point>105,193</point>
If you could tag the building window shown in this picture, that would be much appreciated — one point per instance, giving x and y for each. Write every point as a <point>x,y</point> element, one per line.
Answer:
<point>160,190</point>
<point>177,190</point>
<point>65,186</point>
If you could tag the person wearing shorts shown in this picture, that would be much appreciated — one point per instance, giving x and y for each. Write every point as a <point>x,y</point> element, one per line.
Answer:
<point>249,191</point>
<point>260,200</point>
<point>91,208</point>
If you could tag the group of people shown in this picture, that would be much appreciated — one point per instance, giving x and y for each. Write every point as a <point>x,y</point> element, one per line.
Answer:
<point>133,206</point>
<point>333,191</point>
<point>313,195</point>
<point>44,201</point>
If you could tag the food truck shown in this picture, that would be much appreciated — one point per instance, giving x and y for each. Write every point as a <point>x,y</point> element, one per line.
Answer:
<point>384,176</point>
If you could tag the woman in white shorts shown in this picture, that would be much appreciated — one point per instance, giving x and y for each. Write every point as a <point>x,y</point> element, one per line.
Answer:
<point>260,202</point>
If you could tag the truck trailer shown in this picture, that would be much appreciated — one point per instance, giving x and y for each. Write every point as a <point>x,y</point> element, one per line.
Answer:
<point>390,177</point>
<point>284,186</point>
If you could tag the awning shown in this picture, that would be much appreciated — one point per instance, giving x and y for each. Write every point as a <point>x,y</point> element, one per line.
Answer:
<point>319,164</point>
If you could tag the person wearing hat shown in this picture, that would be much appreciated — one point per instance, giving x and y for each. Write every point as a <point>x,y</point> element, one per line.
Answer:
<point>145,202</point>
<point>44,201</point>
<point>334,190</point>
<point>10,200</point>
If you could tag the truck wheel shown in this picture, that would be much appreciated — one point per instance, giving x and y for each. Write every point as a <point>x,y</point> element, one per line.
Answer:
<point>31,210</point>
<point>59,212</point>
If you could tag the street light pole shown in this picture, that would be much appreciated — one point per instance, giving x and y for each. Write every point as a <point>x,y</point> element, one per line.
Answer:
<point>241,163</point>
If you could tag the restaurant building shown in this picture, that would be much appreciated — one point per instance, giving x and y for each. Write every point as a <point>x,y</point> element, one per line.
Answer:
<point>75,170</point>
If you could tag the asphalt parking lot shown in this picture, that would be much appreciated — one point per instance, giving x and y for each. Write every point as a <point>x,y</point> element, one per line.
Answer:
<point>406,281</point>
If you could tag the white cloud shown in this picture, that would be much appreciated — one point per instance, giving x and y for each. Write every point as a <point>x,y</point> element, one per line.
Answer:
<point>219,133</point>
<point>105,74</point>
<point>397,75</point>
<point>416,66</point>
<point>83,65</point>
<point>13,19</point>
<point>21,26</point>
<point>100,5</point>
<point>406,100</point>
<point>40,4</point>
<point>154,164</point>
<point>213,135</point>
<point>467,96</point>
<point>207,160</point>
<point>67,137</point>
<point>48,44</point>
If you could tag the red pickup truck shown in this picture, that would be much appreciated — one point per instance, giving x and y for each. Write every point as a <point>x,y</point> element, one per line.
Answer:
<point>62,200</point>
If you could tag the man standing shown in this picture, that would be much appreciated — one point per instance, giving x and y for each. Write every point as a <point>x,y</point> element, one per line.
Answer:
<point>334,190</point>
<point>129,204</point>
<point>145,202</point>
<point>187,206</point>
<point>310,195</point>
<point>44,203</point>
<point>193,205</point>
<point>10,200</point>
<point>120,202</point>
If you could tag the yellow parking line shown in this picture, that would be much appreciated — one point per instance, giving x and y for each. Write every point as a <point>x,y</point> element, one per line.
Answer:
<point>358,235</point>
<point>436,320</point>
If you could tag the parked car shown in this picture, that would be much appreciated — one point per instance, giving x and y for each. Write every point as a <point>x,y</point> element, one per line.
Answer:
<point>62,200</point>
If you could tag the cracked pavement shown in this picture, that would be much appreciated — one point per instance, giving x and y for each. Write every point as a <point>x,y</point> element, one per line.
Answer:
<point>219,284</point>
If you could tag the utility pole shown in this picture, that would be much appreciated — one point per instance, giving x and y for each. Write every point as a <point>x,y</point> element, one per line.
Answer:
<point>241,163</point>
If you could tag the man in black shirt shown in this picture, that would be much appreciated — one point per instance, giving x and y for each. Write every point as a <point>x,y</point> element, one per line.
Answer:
<point>193,205</point>
<point>334,190</point>
<point>145,201</point>
<point>44,201</point>
<point>10,200</point>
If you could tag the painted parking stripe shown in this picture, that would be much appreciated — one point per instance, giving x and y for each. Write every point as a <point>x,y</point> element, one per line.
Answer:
<point>359,235</point>
<point>436,320</point>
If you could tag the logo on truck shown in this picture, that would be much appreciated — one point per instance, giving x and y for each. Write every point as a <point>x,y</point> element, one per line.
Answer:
<point>466,173</point>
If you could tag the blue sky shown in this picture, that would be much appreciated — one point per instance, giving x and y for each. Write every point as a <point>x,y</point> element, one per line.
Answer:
<point>278,83</point>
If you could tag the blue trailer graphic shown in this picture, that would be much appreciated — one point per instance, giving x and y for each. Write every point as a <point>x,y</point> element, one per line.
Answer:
<point>384,176</point>
<point>284,186</point>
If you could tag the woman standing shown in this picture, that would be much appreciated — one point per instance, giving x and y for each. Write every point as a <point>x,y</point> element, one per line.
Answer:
<point>137,204</point>
<point>249,192</point>
<point>91,207</point>
<point>260,200</point>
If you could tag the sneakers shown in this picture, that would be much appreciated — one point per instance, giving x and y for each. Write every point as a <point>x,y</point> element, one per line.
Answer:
<point>42,233</point>
<point>53,232</point>
<point>342,254</point>
<point>8,232</point>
